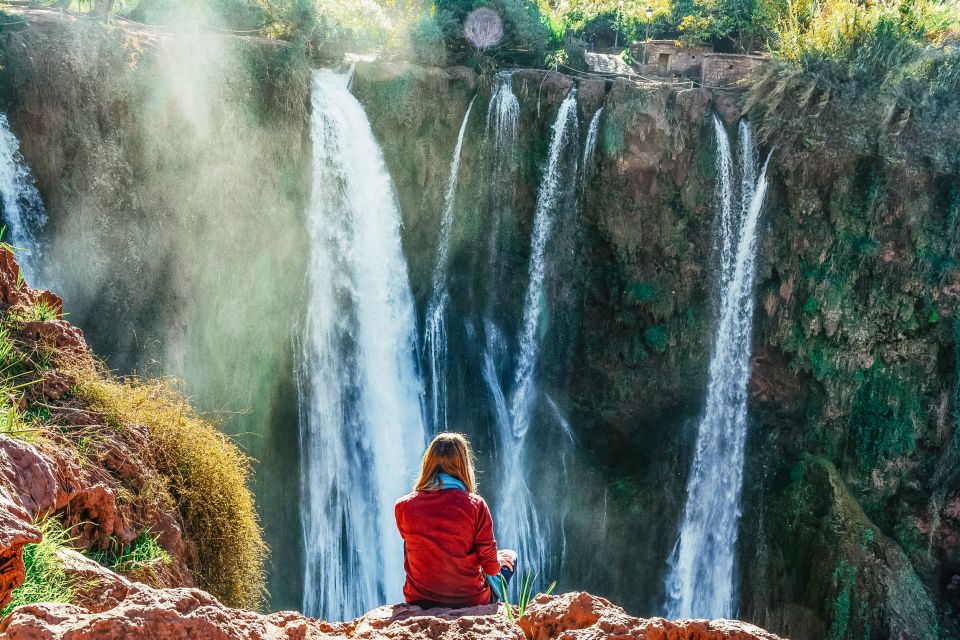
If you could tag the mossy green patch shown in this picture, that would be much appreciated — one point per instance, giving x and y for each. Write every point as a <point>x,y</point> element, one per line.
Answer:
<point>845,577</point>
<point>656,337</point>
<point>642,291</point>
<point>883,415</point>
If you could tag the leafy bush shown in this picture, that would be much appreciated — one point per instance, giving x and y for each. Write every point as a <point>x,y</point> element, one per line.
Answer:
<point>729,25</point>
<point>44,577</point>
<point>871,38</point>
<point>889,71</point>
<point>206,475</point>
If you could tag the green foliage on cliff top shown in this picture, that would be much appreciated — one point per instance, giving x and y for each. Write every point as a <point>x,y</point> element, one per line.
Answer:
<point>44,577</point>
<point>848,74</point>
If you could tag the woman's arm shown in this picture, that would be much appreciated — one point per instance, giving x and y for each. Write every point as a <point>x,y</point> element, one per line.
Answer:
<point>484,542</point>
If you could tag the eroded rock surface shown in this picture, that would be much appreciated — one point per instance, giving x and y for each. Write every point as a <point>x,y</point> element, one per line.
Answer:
<point>161,614</point>
<point>581,616</point>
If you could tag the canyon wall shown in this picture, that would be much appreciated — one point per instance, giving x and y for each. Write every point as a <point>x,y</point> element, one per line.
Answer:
<point>851,505</point>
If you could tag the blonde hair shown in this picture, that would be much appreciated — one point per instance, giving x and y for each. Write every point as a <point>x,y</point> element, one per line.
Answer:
<point>447,453</point>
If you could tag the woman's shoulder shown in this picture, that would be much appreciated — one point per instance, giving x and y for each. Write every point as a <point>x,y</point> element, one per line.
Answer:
<point>478,501</point>
<point>407,498</point>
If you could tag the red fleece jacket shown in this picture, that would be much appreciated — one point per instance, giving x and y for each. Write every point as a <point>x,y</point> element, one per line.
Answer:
<point>449,545</point>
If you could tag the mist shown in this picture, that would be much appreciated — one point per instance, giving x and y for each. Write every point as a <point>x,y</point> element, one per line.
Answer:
<point>178,188</point>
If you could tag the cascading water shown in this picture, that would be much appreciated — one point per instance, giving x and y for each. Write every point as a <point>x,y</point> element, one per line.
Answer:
<point>361,428</point>
<point>700,577</point>
<point>435,320</point>
<point>564,131</point>
<point>589,147</point>
<point>500,150</point>
<point>517,518</point>
<point>23,212</point>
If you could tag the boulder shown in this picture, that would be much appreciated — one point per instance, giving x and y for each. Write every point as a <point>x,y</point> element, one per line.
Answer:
<point>581,616</point>
<point>406,622</point>
<point>96,588</point>
<point>27,487</point>
<point>156,614</point>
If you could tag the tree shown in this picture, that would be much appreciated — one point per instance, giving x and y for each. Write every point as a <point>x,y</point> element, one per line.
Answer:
<point>483,28</point>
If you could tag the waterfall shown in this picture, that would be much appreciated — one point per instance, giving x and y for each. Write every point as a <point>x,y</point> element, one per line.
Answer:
<point>700,577</point>
<point>23,212</point>
<point>361,429</point>
<point>517,517</point>
<point>501,138</point>
<point>563,131</point>
<point>748,165</point>
<point>589,147</point>
<point>435,328</point>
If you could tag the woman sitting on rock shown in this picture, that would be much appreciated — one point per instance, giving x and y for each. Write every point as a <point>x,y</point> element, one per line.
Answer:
<point>450,554</point>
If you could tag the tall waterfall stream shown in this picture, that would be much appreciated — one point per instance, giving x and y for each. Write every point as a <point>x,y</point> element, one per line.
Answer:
<point>361,425</point>
<point>700,580</point>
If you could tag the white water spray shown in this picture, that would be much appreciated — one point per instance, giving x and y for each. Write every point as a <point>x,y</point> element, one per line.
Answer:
<point>435,320</point>
<point>23,212</point>
<point>361,428</point>
<point>700,579</point>
<point>501,149</point>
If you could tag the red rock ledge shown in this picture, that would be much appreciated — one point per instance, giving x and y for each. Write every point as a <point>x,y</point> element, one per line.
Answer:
<point>168,614</point>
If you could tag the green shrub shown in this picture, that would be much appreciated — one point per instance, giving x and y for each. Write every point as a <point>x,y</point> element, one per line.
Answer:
<point>44,577</point>
<point>525,32</point>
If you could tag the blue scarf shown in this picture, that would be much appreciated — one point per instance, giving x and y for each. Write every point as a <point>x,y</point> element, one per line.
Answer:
<point>447,481</point>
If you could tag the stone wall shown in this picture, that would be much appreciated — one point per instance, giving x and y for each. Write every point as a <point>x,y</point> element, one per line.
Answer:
<point>667,57</point>
<point>721,69</point>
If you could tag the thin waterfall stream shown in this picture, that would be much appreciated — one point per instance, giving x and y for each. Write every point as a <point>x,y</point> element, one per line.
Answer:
<point>589,148</point>
<point>517,516</point>
<point>435,319</point>
<point>700,577</point>
<point>361,426</point>
<point>23,212</point>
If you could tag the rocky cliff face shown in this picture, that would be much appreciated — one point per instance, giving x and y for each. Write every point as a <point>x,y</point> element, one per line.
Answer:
<point>132,135</point>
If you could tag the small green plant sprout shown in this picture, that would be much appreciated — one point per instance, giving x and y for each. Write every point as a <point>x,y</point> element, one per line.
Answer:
<point>6,245</point>
<point>44,311</point>
<point>142,556</point>
<point>525,596</point>
<point>44,577</point>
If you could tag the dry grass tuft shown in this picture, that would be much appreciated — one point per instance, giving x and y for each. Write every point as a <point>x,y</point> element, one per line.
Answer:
<point>206,475</point>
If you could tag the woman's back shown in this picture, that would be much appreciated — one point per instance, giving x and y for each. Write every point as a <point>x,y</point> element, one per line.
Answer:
<point>449,545</point>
